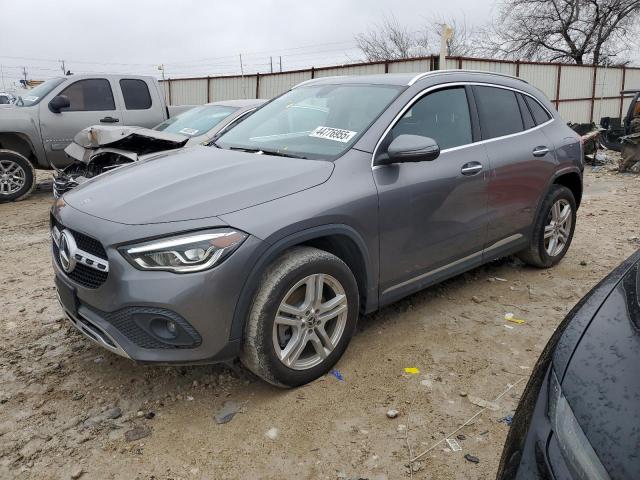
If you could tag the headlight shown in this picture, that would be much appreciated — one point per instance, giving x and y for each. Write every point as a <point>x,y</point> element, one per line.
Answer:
<point>579,455</point>
<point>185,253</point>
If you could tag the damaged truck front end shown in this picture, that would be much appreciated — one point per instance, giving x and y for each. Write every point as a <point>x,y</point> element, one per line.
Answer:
<point>96,150</point>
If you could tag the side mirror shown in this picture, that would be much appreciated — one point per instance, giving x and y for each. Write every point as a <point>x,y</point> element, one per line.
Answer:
<point>410,148</point>
<point>59,102</point>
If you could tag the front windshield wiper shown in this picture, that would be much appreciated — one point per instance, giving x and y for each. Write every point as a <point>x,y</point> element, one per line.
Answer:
<point>262,151</point>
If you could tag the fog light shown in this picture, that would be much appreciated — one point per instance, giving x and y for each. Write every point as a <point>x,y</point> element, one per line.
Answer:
<point>164,328</point>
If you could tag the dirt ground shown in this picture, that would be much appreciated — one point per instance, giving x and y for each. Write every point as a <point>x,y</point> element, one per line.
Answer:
<point>59,392</point>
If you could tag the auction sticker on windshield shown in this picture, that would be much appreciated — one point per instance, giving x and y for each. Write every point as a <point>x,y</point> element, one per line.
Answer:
<point>336,134</point>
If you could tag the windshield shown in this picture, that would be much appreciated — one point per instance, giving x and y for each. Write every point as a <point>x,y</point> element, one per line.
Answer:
<point>196,121</point>
<point>312,122</point>
<point>36,94</point>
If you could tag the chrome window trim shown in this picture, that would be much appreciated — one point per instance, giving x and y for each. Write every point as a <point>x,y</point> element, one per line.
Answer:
<point>428,90</point>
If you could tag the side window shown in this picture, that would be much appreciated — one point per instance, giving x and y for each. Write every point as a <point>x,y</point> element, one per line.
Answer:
<point>136,94</point>
<point>89,95</point>
<point>442,115</point>
<point>498,110</point>
<point>539,114</point>
<point>527,118</point>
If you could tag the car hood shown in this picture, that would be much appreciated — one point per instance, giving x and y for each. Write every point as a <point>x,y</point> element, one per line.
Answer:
<point>602,384</point>
<point>196,182</point>
<point>131,142</point>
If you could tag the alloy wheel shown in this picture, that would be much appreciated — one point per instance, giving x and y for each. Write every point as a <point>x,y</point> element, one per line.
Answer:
<point>310,321</point>
<point>558,227</point>
<point>12,177</point>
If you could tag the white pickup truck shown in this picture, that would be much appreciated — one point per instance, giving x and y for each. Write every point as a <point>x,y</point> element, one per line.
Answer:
<point>36,129</point>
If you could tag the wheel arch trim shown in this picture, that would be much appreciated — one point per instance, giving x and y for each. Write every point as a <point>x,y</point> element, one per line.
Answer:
<point>275,248</point>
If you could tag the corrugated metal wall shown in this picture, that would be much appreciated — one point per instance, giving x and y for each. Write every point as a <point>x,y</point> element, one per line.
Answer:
<point>583,93</point>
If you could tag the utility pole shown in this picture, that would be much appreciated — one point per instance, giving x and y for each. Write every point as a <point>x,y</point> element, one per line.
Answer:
<point>447,35</point>
<point>244,84</point>
<point>271,62</point>
<point>280,63</point>
<point>64,70</point>
<point>2,77</point>
<point>24,73</point>
<point>161,68</point>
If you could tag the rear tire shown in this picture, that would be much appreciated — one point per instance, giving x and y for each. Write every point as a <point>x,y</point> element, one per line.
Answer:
<point>553,229</point>
<point>17,176</point>
<point>293,334</point>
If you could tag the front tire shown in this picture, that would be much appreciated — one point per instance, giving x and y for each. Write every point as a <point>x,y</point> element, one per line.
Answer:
<point>17,176</point>
<point>302,317</point>
<point>553,229</point>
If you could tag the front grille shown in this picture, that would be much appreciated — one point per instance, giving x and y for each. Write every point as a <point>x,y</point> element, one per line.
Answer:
<point>86,276</point>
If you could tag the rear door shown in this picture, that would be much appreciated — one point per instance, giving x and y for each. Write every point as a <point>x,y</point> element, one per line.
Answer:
<point>91,103</point>
<point>522,161</point>
<point>141,107</point>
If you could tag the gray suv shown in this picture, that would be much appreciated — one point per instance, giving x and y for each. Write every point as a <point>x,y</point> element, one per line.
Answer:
<point>336,198</point>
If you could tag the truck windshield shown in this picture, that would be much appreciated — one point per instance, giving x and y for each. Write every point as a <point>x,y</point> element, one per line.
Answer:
<point>196,121</point>
<point>316,121</point>
<point>36,94</point>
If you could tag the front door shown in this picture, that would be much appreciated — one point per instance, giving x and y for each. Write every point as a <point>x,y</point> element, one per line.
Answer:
<point>91,103</point>
<point>432,213</point>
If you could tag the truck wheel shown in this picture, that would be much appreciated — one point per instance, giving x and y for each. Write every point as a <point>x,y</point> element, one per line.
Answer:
<point>302,317</point>
<point>17,176</point>
<point>553,230</point>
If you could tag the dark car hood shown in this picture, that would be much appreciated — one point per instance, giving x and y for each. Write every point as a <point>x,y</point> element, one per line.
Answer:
<point>602,381</point>
<point>193,183</point>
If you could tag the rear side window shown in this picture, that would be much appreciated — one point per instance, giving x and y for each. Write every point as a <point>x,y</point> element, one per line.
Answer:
<point>89,96</point>
<point>527,118</point>
<point>136,94</point>
<point>442,115</point>
<point>540,115</point>
<point>498,110</point>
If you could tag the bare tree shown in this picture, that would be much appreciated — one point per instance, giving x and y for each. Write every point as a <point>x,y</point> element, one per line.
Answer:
<point>578,31</point>
<point>391,41</point>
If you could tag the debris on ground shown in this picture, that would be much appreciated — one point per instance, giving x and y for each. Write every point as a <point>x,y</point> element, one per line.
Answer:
<point>76,473</point>
<point>507,420</point>
<point>411,370</point>
<point>337,374</point>
<point>137,433</point>
<point>510,317</point>
<point>227,412</point>
<point>272,433</point>
<point>113,413</point>
<point>471,458</point>
<point>392,413</point>
<point>480,402</point>
<point>454,445</point>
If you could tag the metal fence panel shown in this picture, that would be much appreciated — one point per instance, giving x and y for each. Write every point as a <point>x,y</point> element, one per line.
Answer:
<point>632,79</point>
<point>273,85</point>
<point>577,111</point>
<point>605,108</point>
<point>367,69</point>
<point>508,68</point>
<point>408,66</point>
<point>544,77</point>
<point>608,82</point>
<point>231,88</point>
<point>189,92</point>
<point>576,82</point>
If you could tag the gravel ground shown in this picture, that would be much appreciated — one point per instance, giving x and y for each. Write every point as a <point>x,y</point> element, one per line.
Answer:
<point>69,409</point>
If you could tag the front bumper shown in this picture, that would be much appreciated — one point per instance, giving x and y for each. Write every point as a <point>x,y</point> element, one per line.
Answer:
<point>202,303</point>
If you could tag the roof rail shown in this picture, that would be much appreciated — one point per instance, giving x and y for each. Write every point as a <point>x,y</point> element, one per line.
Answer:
<point>420,76</point>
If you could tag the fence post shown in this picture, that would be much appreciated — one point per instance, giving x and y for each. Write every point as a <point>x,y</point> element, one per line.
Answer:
<point>624,79</point>
<point>386,66</point>
<point>169,84</point>
<point>459,64</point>
<point>558,86</point>
<point>208,89</point>
<point>593,93</point>
<point>517,68</point>
<point>257,84</point>
<point>313,72</point>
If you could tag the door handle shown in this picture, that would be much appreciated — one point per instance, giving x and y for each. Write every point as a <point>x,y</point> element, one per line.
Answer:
<point>540,151</point>
<point>109,120</point>
<point>471,168</point>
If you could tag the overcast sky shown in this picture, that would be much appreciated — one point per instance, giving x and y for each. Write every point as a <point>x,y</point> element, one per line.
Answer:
<point>192,37</point>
